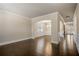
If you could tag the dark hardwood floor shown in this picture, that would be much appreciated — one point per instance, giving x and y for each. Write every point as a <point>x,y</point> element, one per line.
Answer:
<point>67,47</point>
<point>40,46</point>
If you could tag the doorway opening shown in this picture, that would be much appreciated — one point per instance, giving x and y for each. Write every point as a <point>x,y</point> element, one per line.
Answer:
<point>43,28</point>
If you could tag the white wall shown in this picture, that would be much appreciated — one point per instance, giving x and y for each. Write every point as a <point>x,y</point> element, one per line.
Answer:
<point>13,27</point>
<point>76,26</point>
<point>54,18</point>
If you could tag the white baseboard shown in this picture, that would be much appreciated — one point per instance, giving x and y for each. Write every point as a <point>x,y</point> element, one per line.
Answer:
<point>21,40</point>
<point>14,41</point>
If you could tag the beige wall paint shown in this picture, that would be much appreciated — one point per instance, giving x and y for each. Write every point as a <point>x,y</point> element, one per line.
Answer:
<point>14,27</point>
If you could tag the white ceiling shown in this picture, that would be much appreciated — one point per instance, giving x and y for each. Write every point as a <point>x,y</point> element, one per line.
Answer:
<point>37,9</point>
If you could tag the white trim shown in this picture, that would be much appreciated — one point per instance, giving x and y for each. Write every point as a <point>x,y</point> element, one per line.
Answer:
<point>55,42</point>
<point>14,41</point>
<point>7,11</point>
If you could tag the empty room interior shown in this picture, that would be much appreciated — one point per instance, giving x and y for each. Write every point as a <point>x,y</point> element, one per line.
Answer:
<point>39,29</point>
